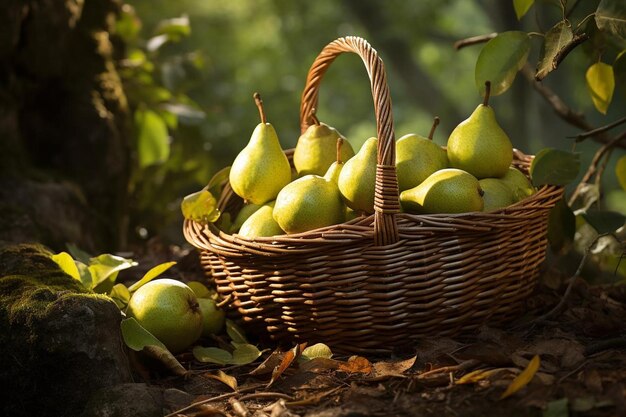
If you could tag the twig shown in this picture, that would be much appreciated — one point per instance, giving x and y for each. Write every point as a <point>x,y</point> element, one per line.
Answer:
<point>570,285</point>
<point>598,130</point>
<point>213,399</point>
<point>578,368</point>
<point>562,109</point>
<point>238,408</point>
<point>593,166</point>
<point>266,395</point>
<point>616,342</point>
<point>470,363</point>
<point>560,56</point>
<point>474,40</point>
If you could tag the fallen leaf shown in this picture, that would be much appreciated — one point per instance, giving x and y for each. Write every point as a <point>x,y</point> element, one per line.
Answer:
<point>288,359</point>
<point>212,355</point>
<point>356,364</point>
<point>245,353</point>
<point>268,365</point>
<point>235,332</point>
<point>478,375</point>
<point>396,368</point>
<point>223,377</point>
<point>166,358</point>
<point>523,378</point>
<point>318,350</point>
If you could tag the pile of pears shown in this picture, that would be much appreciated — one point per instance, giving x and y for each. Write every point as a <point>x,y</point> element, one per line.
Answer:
<point>330,184</point>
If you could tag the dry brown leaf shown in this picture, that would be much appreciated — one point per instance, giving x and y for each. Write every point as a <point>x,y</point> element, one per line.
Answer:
<point>286,362</point>
<point>356,364</point>
<point>396,368</point>
<point>523,378</point>
<point>319,364</point>
<point>223,377</point>
<point>269,364</point>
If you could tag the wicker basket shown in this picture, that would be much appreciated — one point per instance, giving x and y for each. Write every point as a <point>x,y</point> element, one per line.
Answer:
<point>382,281</point>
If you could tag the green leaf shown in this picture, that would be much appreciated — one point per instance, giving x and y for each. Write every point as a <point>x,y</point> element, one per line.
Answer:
<point>620,171</point>
<point>318,350</point>
<point>137,337</point>
<point>600,84</point>
<point>153,140</point>
<point>67,264</point>
<point>120,295</point>
<point>557,38</point>
<point>611,17</point>
<point>604,221</point>
<point>151,274</point>
<point>201,207</point>
<point>78,254</point>
<point>106,266</point>
<point>85,275</point>
<point>218,179</point>
<point>500,60</point>
<point>553,166</point>
<point>521,7</point>
<point>561,226</point>
<point>212,355</point>
<point>235,333</point>
<point>127,25</point>
<point>245,353</point>
<point>557,408</point>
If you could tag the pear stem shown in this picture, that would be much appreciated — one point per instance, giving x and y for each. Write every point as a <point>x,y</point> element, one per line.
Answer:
<point>339,145</point>
<point>259,103</point>
<point>314,117</point>
<point>432,129</point>
<point>487,93</point>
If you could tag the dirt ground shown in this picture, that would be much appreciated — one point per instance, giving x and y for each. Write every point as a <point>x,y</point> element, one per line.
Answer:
<point>581,350</point>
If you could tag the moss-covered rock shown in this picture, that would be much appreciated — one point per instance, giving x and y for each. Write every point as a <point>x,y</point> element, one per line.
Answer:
<point>59,342</point>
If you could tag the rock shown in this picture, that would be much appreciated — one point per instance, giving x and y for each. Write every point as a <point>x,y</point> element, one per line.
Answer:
<point>126,400</point>
<point>59,341</point>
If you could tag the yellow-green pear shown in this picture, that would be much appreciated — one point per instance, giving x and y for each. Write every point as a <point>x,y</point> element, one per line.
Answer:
<point>519,183</point>
<point>243,214</point>
<point>358,178</point>
<point>497,194</point>
<point>309,203</point>
<point>478,144</point>
<point>261,223</point>
<point>261,169</point>
<point>417,157</point>
<point>448,190</point>
<point>316,149</point>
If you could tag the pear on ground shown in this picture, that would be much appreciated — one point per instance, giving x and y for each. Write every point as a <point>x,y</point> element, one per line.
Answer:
<point>261,223</point>
<point>246,211</point>
<point>519,183</point>
<point>478,144</point>
<point>497,194</point>
<point>213,317</point>
<point>316,149</point>
<point>417,157</point>
<point>358,178</point>
<point>261,169</point>
<point>312,201</point>
<point>448,190</point>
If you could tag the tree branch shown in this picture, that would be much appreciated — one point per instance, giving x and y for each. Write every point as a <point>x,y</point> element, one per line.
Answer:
<point>599,130</point>
<point>474,40</point>
<point>572,117</point>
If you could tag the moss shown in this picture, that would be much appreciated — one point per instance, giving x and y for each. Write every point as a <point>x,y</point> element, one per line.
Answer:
<point>58,341</point>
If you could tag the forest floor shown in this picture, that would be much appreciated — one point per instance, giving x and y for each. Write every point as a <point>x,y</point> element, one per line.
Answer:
<point>582,368</point>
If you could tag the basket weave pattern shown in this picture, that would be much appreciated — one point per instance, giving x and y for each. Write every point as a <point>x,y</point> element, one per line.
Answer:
<point>383,280</point>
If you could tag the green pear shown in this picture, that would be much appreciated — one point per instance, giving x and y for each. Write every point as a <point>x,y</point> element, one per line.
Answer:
<point>213,317</point>
<point>309,203</point>
<point>448,190</point>
<point>519,183</point>
<point>315,150</point>
<point>497,194</point>
<point>261,223</point>
<point>417,157</point>
<point>261,169</point>
<point>478,144</point>
<point>246,211</point>
<point>358,178</point>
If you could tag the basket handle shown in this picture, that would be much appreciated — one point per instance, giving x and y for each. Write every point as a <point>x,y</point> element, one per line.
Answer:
<point>386,203</point>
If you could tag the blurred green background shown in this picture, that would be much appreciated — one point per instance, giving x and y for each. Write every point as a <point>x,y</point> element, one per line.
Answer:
<point>195,64</point>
